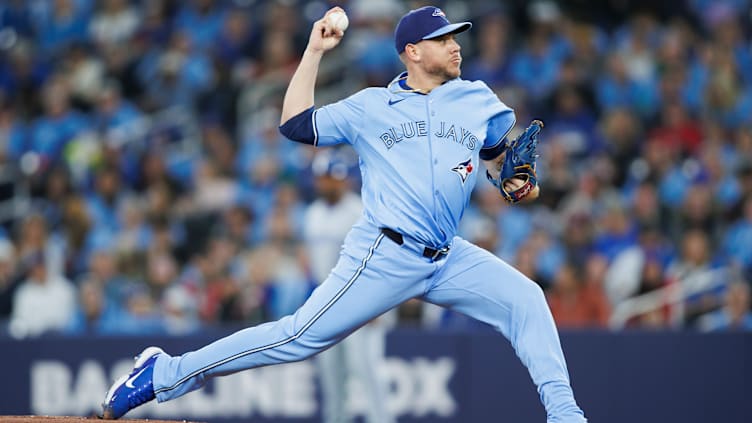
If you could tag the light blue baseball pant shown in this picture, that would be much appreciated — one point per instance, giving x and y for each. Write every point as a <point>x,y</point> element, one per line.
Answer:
<point>373,275</point>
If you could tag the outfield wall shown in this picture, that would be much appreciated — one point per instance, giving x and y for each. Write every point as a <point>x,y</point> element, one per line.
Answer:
<point>434,377</point>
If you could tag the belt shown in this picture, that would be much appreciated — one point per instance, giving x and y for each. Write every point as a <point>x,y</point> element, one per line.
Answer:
<point>428,252</point>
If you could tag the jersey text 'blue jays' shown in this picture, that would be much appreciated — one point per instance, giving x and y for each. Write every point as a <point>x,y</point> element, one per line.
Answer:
<point>408,130</point>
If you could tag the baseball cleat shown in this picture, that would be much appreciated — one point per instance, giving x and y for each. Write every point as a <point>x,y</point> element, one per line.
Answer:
<point>132,389</point>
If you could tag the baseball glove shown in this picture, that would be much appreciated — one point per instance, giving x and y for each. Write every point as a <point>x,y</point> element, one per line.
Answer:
<point>519,163</point>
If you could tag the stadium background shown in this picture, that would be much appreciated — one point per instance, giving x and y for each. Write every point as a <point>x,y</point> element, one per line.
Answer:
<point>146,194</point>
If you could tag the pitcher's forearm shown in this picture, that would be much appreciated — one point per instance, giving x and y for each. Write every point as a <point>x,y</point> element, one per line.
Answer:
<point>299,95</point>
<point>494,165</point>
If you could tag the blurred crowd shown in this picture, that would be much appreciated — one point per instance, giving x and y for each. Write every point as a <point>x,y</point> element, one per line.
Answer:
<point>145,188</point>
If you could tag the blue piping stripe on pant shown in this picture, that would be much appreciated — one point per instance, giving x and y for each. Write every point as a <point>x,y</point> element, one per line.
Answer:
<point>291,338</point>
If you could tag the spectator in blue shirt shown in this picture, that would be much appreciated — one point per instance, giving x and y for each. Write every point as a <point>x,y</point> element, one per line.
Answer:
<point>203,19</point>
<point>14,14</point>
<point>68,22</point>
<point>735,314</point>
<point>727,98</point>
<point>492,63</point>
<point>103,203</point>
<point>573,122</point>
<point>614,89</point>
<point>180,74</point>
<point>95,314</point>
<point>738,239</point>
<point>117,117</point>
<point>536,66</point>
<point>51,132</point>
<point>13,135</point>
<point>618,233</point>
<point>238,39</point>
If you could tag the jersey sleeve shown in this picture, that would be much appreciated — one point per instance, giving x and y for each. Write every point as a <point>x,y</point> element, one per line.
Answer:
<point>338,123</point>
<point>500,123</point>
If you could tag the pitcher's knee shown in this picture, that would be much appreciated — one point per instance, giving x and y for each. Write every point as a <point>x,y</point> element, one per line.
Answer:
<point>300,342</point>
<point>532,293</point>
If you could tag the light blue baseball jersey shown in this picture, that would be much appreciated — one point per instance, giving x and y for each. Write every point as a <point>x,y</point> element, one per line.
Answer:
<point>419,153</point>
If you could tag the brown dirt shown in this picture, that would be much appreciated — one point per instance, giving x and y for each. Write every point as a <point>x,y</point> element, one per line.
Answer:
<point>71,419</point>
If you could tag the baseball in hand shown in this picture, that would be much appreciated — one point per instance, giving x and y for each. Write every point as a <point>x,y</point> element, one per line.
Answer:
<point>521,189</point>
<point>514,183</point>
<point>338,20</point>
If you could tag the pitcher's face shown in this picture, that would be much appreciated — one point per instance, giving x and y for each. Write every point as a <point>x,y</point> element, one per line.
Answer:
<point>441,56</point>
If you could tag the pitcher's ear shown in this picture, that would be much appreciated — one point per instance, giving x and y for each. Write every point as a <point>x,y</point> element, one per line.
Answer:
<point>411,51</point>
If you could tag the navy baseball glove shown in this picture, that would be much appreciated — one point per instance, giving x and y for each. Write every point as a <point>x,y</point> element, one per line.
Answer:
<point>519,163</point>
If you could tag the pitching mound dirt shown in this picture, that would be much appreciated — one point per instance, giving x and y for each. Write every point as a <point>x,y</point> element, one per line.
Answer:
<point>69,419</point>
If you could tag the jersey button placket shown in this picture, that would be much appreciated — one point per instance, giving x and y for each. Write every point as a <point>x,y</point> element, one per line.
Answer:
<point>432,112</point>
<point>435,160</point>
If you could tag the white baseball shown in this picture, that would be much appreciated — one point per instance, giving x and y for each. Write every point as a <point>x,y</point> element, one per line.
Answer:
<point>338,20</point>
<point>514,183</point>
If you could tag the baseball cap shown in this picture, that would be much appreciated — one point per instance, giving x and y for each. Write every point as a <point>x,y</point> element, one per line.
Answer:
<point>423,24</point>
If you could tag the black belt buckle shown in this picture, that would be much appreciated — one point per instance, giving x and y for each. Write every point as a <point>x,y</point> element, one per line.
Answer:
<point>435,254</point>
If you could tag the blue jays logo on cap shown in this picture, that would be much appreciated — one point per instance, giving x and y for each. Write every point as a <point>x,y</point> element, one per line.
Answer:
<point>464,169</point>
<point>424,23</point>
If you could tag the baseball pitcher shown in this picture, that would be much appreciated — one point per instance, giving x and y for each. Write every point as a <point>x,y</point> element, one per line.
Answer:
<point>420,140</point>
